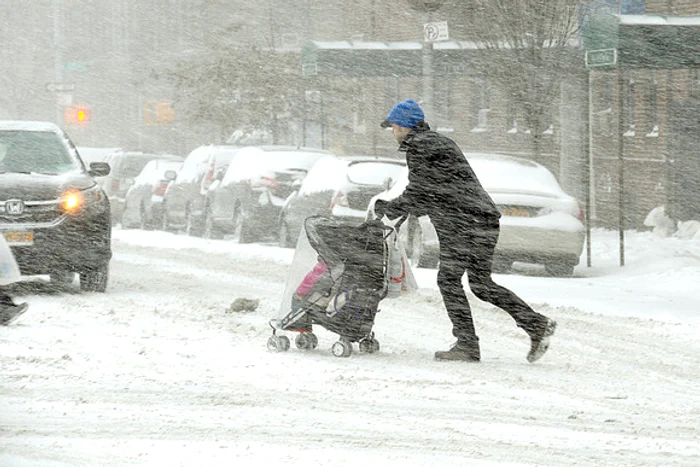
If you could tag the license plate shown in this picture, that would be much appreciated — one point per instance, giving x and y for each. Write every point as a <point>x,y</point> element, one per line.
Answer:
<point>517,212</point>
<point>19,238</point>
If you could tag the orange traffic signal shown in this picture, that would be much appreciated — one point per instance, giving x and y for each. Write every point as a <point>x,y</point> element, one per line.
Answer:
<point>77,115</point>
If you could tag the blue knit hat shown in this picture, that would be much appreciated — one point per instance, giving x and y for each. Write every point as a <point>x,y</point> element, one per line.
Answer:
<point>406,114</point>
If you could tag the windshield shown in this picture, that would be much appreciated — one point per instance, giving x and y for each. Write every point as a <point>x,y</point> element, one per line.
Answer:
<point>35,152</point>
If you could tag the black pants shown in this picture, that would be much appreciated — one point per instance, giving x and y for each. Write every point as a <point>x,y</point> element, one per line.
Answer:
<point>472,252</point>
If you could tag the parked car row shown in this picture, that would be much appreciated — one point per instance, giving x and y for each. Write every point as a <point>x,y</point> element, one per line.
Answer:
<point>266,193</point>
<point>57,218</point>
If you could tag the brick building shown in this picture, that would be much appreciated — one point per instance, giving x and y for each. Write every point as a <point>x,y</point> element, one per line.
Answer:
<point>110,52</point>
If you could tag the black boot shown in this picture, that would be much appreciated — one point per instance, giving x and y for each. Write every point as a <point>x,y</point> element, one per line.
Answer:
<point>9,313</point>
<point>466,350</point>
<point>539,340</point>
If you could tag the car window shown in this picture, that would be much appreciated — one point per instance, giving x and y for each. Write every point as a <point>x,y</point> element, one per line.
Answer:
<point>35,151</point>
<point>132,165</point>
<point>372,172</point>
<point>155,170</point>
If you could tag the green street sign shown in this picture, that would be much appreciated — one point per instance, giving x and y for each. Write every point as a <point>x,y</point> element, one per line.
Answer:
<point>75,67</point>
<point>601,58</point>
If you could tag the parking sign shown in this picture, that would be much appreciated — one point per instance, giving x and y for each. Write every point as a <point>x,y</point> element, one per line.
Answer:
<point>437,31</point>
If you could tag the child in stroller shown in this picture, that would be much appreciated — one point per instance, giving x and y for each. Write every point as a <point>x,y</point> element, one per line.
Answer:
<point>343,289</point>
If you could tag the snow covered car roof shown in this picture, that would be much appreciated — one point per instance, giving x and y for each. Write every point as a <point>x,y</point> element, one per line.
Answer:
<point>21,125</point>
<point>501,174</point>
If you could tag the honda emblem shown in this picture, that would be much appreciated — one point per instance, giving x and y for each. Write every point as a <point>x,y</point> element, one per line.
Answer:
<point>14,206</point>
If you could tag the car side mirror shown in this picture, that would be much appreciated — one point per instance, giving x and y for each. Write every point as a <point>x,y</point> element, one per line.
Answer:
<point>170,175</point>
<point>99,169</point>
<point>296,184</point>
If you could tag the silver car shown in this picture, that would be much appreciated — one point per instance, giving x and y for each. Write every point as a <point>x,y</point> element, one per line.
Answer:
<point>540,223</point>
<point>143,207</point>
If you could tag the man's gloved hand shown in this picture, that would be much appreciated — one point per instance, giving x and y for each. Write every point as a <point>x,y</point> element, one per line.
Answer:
<point>380,206</point>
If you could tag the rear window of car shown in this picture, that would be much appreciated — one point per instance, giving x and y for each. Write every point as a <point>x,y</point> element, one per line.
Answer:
<point>131,166</point>
<point>372,172</point>
<point>35,151</point>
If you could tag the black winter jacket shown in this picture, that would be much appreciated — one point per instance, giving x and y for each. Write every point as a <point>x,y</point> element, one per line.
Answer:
<point>442,184</point>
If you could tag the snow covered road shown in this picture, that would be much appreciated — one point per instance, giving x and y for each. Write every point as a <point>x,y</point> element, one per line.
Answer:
<point>158,372</point>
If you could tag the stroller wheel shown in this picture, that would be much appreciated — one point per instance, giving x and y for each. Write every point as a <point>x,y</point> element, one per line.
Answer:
<point>342,348</point>
<point>306,341</point>
<point>278,343</point>
<point>370,345</point>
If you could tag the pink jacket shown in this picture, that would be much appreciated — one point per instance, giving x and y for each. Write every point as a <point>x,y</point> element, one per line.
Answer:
<point>311,278</point>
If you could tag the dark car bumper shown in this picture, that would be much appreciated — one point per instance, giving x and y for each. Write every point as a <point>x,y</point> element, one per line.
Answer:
<point>68,243</point>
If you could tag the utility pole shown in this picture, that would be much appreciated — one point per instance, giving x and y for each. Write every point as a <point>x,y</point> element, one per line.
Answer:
<point>427,7</point>
<point>58,56</point>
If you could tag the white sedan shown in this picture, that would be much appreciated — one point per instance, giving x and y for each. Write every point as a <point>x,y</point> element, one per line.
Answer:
<point>540,223</point>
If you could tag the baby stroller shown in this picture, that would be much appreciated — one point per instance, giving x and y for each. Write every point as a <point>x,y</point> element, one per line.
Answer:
<point>349,276</point>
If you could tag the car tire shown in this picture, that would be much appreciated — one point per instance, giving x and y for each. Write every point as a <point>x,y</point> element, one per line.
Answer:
<point>191,227</point>
<point>145,222</point>
<point>560,268</point>
<point>210,230</point>
<point>246,233</point>
<point>416,254</point>
<point>164,219</point>
<point>94,278</point>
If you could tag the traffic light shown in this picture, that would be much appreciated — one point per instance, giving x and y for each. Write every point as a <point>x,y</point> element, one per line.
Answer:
<point>77,115</point>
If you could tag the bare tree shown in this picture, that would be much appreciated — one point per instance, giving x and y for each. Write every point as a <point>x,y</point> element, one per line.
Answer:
<point>530,44</point>
<point>237,86</point>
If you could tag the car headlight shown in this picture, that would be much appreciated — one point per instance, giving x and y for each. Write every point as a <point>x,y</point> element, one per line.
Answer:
<point>73,201</point>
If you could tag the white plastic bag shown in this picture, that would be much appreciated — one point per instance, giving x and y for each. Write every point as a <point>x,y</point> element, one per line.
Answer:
<point>401,279</point>
<point>9,272</point>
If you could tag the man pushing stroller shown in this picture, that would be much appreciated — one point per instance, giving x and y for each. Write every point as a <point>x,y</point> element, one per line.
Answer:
<point>441,183</point>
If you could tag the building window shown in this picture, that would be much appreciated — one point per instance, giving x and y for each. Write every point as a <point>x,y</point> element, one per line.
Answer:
<point>652,102</point>
<point>480,105</point>
<point>695,83</point>
<point>628,108</point>
<point>632,7</point>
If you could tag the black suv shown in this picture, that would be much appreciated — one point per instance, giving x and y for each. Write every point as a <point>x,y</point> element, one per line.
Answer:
<point>53,214</point>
